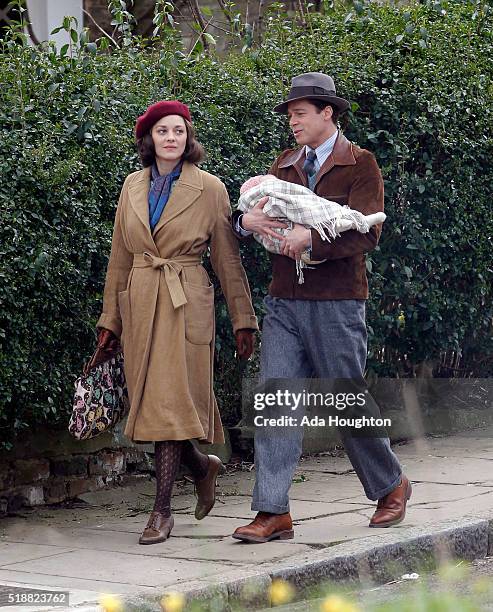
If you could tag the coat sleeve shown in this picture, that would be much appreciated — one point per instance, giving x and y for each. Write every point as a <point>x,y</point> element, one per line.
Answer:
<point>365,195</point>
<point>226,263</point>
<point>119,266</point>
<point>234,219</point>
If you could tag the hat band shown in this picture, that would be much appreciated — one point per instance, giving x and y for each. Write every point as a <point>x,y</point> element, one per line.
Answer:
<point>307,91</point>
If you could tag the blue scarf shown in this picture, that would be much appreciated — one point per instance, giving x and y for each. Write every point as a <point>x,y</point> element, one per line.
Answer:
<point>160,191</point>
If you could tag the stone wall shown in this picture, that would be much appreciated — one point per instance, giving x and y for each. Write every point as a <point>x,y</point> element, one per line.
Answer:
<point>50,467</point>
<point>59,468</point>
<point>37,481</point>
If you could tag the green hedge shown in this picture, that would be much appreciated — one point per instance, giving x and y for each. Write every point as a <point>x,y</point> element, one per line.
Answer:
<point>420,85</point>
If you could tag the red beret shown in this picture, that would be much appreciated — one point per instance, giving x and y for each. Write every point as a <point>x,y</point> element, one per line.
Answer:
<point>157,111</point>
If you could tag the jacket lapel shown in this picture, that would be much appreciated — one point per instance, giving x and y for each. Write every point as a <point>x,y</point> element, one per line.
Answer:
<point>296,159</point>
<point>185,191</point>
<point>138,192</point>
<point>342,155</point>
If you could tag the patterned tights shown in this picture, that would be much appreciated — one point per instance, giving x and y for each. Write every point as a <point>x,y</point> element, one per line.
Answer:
<point>167,458</point>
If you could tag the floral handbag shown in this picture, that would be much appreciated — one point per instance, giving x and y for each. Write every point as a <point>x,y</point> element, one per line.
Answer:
<point>101,399</point>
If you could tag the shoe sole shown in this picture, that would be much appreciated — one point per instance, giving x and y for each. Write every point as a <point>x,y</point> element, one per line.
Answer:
<point>204,513</point>
<point>281,535</point>
<point>397,520</point>
<point>147,542</point>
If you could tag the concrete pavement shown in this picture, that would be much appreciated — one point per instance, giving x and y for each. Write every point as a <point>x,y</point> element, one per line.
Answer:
<point>91,547</point>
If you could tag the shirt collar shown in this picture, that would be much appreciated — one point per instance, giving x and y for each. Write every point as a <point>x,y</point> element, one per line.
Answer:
<point>325,149</point>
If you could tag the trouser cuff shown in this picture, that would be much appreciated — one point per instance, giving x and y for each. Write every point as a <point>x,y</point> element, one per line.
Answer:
<point>270,508</point>
<point>383,492</point>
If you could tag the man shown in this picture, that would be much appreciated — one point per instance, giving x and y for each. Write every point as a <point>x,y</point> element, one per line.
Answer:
<point>318,328</point>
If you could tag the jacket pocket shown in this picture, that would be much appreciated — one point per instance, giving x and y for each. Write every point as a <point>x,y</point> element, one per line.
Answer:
<point>199,313</point>
<point>124,307</point>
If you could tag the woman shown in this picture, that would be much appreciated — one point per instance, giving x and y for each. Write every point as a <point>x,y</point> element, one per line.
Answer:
<point>158,300</point>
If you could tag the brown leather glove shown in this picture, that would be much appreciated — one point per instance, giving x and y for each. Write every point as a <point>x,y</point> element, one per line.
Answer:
<point>245,343</point>
<point>108,346</point>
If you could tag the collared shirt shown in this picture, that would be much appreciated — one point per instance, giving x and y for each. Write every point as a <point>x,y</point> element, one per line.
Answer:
<point>322,152</point>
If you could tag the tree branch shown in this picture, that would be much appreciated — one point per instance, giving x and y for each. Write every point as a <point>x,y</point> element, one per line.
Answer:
<point>194,7</point>
<point>100,28</point>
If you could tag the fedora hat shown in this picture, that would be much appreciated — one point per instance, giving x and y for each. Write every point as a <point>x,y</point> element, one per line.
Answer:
<point>313,85</point>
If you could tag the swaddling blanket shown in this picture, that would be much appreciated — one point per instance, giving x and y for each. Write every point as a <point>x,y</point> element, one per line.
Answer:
<point>297,204</point>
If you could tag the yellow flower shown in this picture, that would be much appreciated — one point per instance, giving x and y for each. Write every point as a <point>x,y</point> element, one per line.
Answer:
<point>173,602</point>
<point>111,603</point>
<point>401,318</point>
<point>280,592</point>
<point>336,603</point>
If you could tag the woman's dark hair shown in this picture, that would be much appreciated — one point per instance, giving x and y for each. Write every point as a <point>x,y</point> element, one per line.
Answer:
<point>194,152</point>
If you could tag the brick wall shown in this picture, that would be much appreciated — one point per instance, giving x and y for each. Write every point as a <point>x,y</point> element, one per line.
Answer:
<point>36,481</point>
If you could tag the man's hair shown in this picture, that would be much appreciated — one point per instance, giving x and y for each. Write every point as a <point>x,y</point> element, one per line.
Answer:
<point>194,152</point>
<point>321,104</point>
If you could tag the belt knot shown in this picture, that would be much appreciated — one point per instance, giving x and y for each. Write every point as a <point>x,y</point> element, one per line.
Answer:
<point>172,270</point>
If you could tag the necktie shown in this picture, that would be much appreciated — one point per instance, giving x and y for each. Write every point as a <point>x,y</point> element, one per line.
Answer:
<point>309,165</point>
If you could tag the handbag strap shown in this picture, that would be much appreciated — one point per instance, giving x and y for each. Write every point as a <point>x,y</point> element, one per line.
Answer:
<point>86,368</point>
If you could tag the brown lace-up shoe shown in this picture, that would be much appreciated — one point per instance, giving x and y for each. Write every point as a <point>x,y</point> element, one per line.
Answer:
<point>158,529</point>
<point>391,509</point>
<point>206,487</point>
<point>266,527</point>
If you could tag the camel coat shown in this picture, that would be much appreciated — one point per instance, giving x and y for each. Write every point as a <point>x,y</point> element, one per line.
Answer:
<point>159,300</point>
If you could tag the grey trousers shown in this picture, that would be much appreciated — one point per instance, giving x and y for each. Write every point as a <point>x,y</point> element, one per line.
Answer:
<point>324,339</point>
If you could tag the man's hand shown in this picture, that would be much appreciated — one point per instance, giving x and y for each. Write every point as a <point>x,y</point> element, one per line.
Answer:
<point>296,241</point>
<point>257,221</point>
<point>245,343</point>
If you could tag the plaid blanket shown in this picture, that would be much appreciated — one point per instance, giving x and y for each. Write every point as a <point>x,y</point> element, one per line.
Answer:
<point>293,203</point>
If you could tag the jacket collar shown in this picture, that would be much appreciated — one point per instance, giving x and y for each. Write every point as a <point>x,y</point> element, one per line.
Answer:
<point>342,155</point>
<point>185,191</point>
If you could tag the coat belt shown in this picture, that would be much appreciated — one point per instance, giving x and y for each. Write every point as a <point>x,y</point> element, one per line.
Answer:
<point>172,269</point>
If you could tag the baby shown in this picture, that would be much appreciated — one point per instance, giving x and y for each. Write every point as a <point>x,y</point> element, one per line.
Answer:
<point>292,203</point>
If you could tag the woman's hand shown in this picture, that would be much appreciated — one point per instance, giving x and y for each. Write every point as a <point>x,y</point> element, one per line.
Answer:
<point>257,221</point>
<point>245,343</point>
<point>108,346</point>
<point>107,339</point>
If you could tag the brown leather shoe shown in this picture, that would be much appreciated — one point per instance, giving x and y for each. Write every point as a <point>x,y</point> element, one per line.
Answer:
<point>158,529</point>
<point>391,509</point>
<point>265,527</point>
<point>206,487</point>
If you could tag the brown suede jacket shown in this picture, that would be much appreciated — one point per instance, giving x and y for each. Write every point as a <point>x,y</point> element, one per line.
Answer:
<point>351,176</point>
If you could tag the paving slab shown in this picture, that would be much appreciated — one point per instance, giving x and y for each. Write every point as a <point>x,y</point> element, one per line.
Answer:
<point>325,464</point>
<point>300,508</point>
<point>92,547</point>
<point>118,567</point>
<point>234,551</point>
<point>14,552</point>
<point>329,488</point>
<point>438,469</point>
<point>92,585</point>
<point>94,539</point>
<point>432,492</point>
